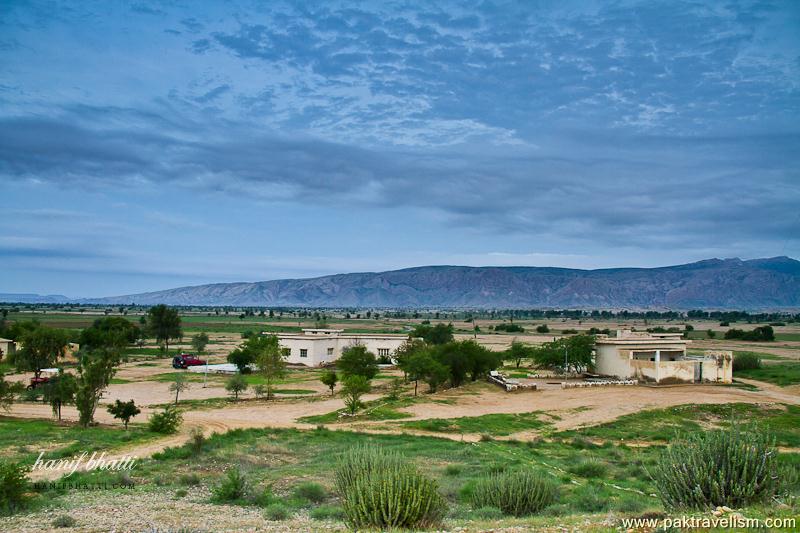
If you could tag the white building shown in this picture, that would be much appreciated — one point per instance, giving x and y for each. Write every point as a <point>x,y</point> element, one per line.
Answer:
<point>659,358</point>
<point>7,347</point>
<point>316,347</point>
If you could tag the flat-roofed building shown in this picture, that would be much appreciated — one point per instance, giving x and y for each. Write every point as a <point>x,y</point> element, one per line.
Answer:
<point>317,347</point>
<point>659,358</point>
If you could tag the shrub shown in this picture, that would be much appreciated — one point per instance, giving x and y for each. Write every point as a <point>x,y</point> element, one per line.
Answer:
<point>189,479</point>
<point>180,493</point>
<point>327,512</point>
<point>589,499</point>
<point>452,470</point>
<point>196,439</point>
<point>631,504</point>
<point>233,487</point>
<point>731,467</point>
<point>518,493</point>
<point>64,520</point>
<point>310,491</point>
<point>13,485</point>
<point>542,329</point>
<point>381,490</point>
<point>276,511</point>
<point>167,421</point>
<point>589,468</point>
<point>746,361</point>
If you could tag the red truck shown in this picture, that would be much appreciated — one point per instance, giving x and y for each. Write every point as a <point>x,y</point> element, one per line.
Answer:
<point>186,360</point>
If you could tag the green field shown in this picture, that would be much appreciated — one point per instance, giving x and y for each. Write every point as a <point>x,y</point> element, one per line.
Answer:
<point>782,374</point>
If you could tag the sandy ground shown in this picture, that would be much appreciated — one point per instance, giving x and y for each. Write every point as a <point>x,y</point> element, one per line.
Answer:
<point>574,407</point>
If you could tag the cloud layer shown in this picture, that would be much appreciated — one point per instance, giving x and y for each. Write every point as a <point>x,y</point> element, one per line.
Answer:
<point>611,131</point>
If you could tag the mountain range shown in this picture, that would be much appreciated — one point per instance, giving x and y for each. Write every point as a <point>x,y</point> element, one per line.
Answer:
<point>772,283</point>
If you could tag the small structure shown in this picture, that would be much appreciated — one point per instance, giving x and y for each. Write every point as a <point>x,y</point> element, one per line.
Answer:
<point>7,347</point>
<point>318,347</point>
<point>659,358</point>
<point>509,384</point>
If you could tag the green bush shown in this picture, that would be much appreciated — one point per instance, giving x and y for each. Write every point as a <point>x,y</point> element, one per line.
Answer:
<point>327,512</point>
<point>488,513</point>
<point>589,468</point>
<point>452,470</point>
<point>277,511</point>
<point>13,485</point>
<point>310,491</point>
<point>233,487</point>
<point>746,361</point>
<point>516,493</point>
<point>180,493</point>
<point>167,421</point>
<point>64,520</point>
<point>732,467</point>
<point>589,499</point>
<point>382,490</point>
<point>189,479</point>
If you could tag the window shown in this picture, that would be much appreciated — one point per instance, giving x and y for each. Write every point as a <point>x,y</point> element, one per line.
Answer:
<point>330,351</point>
<point>303,352</point>
<point>383,352</point>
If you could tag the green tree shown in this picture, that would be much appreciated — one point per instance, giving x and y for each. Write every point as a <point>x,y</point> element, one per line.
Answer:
<point>578,351</point>
<point>356,360</point>
<point>8,392</point>
<point>417,367</point>
<point>329,378</point>
<point>409,348</point>
<point>236,385</point>
<point>110,331</point>
<point>269,358</point>
<point>60,390</point>
<point>438,334</point>
<point>518,352</point>
<point>242,357</point>
<point>178,385</point>
<point>95,371</point>
<point>164,324</point>
<point>199,342</point>
<point>41,348</point>
<point>353,388</point>
<point>124,411</point>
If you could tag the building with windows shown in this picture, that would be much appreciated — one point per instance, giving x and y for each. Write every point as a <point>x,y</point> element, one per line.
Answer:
<point>317,347</point>
<point>659,358</point>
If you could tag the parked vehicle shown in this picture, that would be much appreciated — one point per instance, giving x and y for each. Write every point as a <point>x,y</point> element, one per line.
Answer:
<point>37,382</point>
<point>186,360</point>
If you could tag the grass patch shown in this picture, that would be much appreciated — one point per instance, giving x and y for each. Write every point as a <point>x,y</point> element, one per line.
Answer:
<point>23,439</point>
<point>495,424</point>
<point>781,374</point>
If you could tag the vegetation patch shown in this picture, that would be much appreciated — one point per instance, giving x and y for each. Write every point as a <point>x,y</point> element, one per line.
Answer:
<point>494,424</point>
<point>781,374</point>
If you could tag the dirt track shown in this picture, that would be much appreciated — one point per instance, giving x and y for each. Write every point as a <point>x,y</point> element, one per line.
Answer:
<point>574,407</point>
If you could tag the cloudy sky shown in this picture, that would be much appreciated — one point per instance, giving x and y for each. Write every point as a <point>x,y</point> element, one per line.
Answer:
<point>150,145</point>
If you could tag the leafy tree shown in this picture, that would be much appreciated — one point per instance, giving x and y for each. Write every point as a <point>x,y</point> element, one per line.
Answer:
<point>9,391</point>
<point>329,378</point>
<point>164,324</point>
<point>242,357</point>
<point>235,385</point>
<point>417,366</point>
<point>436,375</point>
<point>451,356</point>
<point>14,486</point>
<point>357,361</point>
<point>178,385</point>
<point>199,342</point>
<point>518,352</point>
<point>95,371</point>
<point>41,348</point>
<point>480,360</point>
<point>353,388</point>
<point>542,329</point>
<point>60,390</point>
<point>438,334</point>
<point>110,331</point>
<point>578,349</point>
<point>405,351</point>
<point>260,391</point>
<point>269,359</point>
<point>124,411</point>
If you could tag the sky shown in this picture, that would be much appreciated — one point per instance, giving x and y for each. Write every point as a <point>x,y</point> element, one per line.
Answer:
<point>145,146</point>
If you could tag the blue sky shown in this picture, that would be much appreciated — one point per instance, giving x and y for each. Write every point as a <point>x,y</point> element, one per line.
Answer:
<point>145,145</point>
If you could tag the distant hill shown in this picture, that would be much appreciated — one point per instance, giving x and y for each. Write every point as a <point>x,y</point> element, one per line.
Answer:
<point>772,283</point>
<point>25,298</point>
